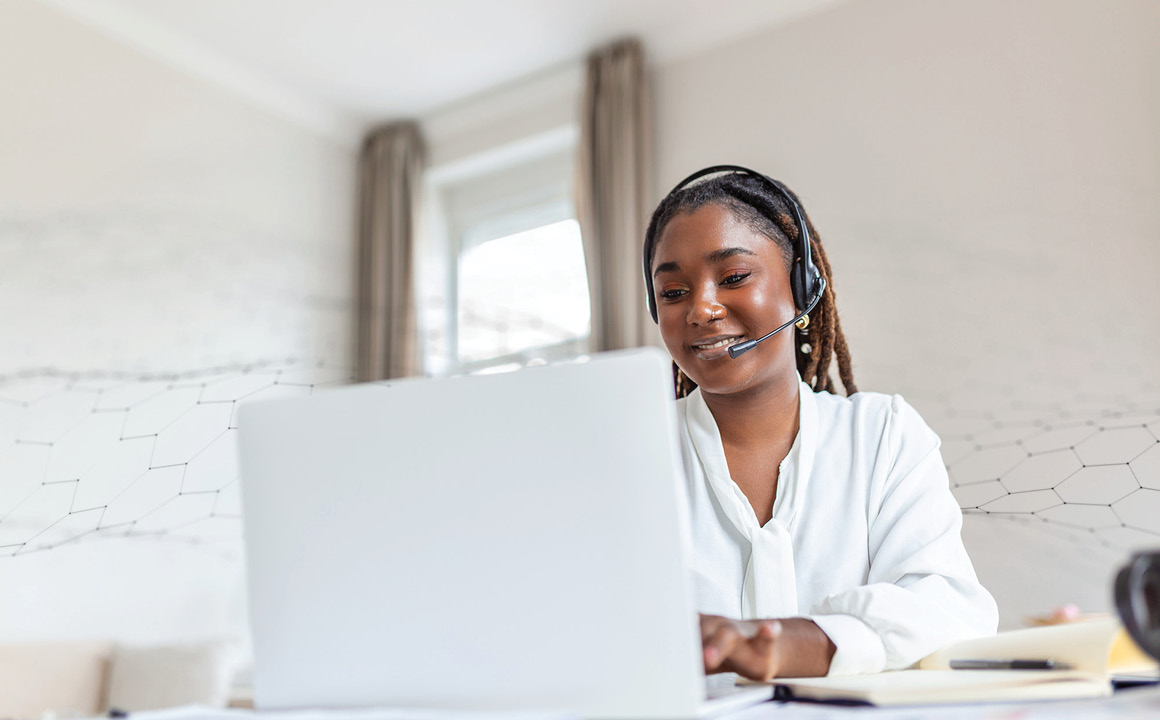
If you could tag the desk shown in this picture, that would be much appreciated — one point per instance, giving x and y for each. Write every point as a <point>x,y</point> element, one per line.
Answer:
<point>1130,704</point>
<point>1141,703</point>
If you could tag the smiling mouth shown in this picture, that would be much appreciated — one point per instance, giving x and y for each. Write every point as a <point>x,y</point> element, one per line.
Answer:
<point>715,344</point>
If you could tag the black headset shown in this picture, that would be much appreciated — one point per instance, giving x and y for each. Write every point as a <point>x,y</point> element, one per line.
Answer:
<point>805,281</point>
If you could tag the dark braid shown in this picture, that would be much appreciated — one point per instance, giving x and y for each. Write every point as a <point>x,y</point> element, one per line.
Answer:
<point>768,214</point>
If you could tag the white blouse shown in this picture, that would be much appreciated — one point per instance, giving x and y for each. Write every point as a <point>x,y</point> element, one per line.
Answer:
<point>864,540</point>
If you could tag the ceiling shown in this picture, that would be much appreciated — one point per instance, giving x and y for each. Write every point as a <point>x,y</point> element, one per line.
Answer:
<point>338,65</point>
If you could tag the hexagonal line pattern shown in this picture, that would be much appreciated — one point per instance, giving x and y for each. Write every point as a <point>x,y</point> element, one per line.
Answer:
<point>167,413</point>
<point>1090,475</point>
<point>998,456</point>
<point>1081,534</point>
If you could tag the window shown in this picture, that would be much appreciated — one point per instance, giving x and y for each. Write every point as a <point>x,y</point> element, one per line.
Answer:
<point>523,293</point>
<point>502,279</point>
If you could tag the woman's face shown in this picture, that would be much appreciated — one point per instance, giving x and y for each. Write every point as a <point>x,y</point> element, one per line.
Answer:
<point>718,282</point>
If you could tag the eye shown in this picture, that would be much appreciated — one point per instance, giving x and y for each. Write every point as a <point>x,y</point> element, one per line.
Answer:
<point>671,294</point>
<point>734,278</point>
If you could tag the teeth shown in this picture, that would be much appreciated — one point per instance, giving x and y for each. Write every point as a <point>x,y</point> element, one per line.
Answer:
<point>719,343</point>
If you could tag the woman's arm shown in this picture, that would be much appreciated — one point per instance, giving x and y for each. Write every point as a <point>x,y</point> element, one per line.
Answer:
<point>921,592</point>
<point>764,649</point>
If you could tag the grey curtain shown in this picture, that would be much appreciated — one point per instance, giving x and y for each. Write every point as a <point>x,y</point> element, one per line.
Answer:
<point>612,193</point>
<point>390,172</point>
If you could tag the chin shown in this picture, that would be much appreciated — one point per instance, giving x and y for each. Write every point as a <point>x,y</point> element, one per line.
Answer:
<point>723,383</point>
<point>723,389</point>
<point>747,373</point>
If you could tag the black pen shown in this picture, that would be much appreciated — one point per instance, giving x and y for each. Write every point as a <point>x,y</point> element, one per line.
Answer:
<point>1009,665</point>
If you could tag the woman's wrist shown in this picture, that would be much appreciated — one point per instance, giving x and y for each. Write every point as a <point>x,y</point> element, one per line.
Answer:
<point>807,650</point>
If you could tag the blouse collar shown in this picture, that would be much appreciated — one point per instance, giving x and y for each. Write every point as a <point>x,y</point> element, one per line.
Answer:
<point>794,471</point>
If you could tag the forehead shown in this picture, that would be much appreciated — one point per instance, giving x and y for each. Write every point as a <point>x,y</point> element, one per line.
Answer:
<point>697,233</point>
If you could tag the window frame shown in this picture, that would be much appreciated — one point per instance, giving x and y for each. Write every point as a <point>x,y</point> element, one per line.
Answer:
<point>512,190</point>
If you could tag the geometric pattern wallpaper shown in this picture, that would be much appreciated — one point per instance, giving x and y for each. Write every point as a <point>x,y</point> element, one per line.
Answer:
<point>97,456</point>
<point>90,457</point>
<point>1099,475</point>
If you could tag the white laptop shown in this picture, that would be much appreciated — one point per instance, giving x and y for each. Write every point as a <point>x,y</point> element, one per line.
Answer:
<point>512,542</point>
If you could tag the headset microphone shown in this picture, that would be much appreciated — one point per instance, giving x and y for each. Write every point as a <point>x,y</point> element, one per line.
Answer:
<point>736,351</point>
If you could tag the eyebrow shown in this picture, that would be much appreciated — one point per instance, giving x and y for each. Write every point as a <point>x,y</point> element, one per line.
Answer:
<point>714,257</point>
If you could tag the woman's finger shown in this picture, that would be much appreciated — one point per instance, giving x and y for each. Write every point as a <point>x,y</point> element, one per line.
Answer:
<point>768,644</point>
<point>768,631</point>
<point>720,644</point>
<point>713,646</point>
<point>759,657</point>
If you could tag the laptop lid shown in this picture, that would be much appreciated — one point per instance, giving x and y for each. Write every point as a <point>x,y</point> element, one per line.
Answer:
<point>501,542</point>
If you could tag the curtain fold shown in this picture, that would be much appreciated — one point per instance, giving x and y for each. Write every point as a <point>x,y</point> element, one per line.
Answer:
<point>390,179</point>
<point>612,188</point>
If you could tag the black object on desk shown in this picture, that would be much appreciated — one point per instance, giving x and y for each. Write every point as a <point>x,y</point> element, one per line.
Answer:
<point>1137,593</point>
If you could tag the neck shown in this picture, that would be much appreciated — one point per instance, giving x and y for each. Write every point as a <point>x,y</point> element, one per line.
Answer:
<point>759,416</point>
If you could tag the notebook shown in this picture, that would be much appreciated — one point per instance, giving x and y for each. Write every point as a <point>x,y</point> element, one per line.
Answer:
<point>936,687</point>
<point>511,542</point>
<point>1089,654</point>
<point>1099,646</point>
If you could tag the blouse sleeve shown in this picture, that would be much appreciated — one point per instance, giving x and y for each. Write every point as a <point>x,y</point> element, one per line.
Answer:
<point>921,592</point>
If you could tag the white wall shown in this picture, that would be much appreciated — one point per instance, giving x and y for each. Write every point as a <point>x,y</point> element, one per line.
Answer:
<point>984,175</point>
<point>166,252</point>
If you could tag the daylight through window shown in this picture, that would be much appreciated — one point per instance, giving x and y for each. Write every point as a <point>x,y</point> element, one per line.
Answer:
<point>523,292</point>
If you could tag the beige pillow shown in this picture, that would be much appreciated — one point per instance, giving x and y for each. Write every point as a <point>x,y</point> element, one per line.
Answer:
<point>67,679</point>
<point>150,678</point>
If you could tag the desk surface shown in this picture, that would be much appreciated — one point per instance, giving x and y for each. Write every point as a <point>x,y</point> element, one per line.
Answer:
<point>1132,703</point>
<point>1141,703</point>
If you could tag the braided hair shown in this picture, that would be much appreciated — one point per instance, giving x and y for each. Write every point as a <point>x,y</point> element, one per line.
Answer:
<point>767,213</point>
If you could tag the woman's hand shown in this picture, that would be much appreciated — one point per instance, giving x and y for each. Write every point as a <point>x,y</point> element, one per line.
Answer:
<point>765,649</point>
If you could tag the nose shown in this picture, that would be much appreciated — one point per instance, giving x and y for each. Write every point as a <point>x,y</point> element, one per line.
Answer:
<point>704,308</point>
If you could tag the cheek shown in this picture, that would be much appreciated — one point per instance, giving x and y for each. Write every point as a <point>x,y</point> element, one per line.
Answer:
<point>671,325</point>
<point>765,308</point>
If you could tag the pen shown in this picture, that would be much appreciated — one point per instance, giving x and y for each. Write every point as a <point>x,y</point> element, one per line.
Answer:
<point>1009,665</point>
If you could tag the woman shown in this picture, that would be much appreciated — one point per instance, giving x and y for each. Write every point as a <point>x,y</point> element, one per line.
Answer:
<point>826,538</point>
